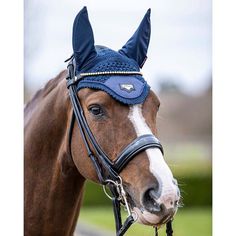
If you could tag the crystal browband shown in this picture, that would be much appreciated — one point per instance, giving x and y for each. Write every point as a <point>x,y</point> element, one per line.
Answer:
<point>82,75</point>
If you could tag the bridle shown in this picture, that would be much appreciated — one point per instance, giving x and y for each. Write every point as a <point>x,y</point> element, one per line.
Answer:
<point>107,170</point>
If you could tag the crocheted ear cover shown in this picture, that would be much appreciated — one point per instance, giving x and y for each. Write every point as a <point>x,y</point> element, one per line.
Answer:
<point>127,89</point>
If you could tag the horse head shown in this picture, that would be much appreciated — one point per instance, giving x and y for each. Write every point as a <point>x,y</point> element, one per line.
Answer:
<point>118,109</point>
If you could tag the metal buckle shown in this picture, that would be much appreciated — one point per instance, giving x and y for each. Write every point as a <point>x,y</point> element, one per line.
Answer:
<point>122,196</point>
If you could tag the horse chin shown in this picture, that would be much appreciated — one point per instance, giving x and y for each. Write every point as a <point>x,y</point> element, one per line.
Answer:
<point>147,218</point>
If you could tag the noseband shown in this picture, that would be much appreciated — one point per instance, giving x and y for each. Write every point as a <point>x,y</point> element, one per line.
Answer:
<point>108,171</point>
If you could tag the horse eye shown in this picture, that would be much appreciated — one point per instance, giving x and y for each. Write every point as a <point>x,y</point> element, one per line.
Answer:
<point>96,110</point>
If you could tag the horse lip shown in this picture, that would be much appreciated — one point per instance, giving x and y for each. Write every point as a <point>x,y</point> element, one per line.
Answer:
<point>161,219</point>
<point>164,220</point>
<point>130,200</point>
<point>167,218</point>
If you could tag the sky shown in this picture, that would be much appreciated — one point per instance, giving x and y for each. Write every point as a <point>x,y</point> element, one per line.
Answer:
<point>179,50</point>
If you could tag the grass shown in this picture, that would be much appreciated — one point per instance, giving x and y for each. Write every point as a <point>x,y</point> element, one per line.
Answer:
<point>188,222</point>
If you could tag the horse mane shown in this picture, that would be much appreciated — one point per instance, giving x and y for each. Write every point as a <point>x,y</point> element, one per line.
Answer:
<point>43,92</point>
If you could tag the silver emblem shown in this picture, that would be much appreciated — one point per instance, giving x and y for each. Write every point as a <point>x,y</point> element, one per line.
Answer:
<point>127,87</point>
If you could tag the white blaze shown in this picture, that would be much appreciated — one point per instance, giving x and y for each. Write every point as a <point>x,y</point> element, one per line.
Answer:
<point>158,166</point>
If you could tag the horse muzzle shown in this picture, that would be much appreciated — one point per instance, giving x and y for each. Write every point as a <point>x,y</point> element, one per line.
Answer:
<point>157,207</point>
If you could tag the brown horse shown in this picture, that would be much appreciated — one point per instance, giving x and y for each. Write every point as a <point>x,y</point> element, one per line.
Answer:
<point>57,165</point>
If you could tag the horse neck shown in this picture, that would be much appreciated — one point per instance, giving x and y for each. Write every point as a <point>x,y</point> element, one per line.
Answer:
<point>53,185</point>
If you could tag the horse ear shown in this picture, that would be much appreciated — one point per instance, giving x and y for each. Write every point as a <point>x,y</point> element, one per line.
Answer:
<point>137,46</point>
<point>82,39</point>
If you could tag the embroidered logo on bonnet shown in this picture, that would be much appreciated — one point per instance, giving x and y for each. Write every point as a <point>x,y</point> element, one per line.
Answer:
<point>127,87</point>
<point>115,72</point>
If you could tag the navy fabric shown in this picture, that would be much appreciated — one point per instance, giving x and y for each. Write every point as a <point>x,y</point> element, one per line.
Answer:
<point>128,89</point>
<point>82,39</point>
<point>137,46</point>
<point>108,60</point>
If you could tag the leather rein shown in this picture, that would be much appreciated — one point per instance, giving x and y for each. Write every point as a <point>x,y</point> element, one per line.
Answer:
<point>107,170</point>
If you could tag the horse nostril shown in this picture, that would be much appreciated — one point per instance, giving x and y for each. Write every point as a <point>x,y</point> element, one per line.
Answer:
<point>154,193</point>
<point>150,198</point>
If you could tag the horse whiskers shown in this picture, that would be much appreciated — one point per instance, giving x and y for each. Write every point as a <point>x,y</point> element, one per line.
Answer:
<point>180,205</point>
<point>180,202</point>
<point>181,183</point>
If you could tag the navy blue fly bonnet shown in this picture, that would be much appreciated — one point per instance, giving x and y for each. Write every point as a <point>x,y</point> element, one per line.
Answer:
<point>116,73</point>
